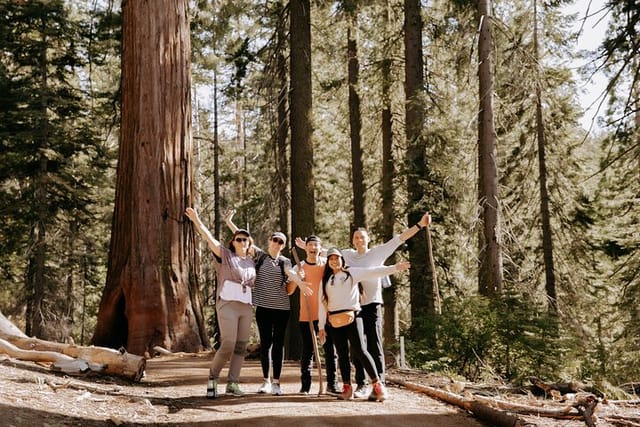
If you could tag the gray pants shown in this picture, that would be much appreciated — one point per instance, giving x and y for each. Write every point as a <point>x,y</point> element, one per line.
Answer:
<point>234,320</point>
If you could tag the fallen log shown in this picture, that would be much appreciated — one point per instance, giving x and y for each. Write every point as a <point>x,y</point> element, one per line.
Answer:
<point>116,363</point>
<point>480,410</point>
<point>8,327</point>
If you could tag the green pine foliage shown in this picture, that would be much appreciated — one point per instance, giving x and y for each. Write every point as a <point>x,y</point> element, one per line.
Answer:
<point>53,163</point>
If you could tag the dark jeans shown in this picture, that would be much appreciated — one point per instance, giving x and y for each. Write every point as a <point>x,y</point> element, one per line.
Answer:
<point>271,328</point>
<point>306,360</point>
<point>351,337</point>
<point>371,315</point>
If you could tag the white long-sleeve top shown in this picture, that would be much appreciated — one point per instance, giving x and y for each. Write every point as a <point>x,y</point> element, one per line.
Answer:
<point>374,257</point>
<point>343,292</point>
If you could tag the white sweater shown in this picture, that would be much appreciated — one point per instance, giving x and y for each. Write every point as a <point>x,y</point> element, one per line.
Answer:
<point>342,290</point>
<point>374,257</point>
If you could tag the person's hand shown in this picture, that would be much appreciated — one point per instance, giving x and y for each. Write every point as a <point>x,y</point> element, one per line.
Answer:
<point>402,265</point>
<point>305,288</point>
<point>322,336</point>
<point>228,214</point>
<point>425,220</point>
<point>300,243</point>
<point>301,273</point>
<point>192,214</point>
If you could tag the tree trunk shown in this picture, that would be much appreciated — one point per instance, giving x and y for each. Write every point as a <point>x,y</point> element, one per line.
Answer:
<point>355,120</point>
<point>490,255</point>
<point>391,324</point>
<point>282,130</point>
<point>37,279</point>
<point>151,295</point>
<point>302,191</point>
<point>421,295</point>
<point>547,239</point>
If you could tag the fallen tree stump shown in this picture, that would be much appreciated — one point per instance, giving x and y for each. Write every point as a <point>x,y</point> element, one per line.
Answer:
<point>113,362</point>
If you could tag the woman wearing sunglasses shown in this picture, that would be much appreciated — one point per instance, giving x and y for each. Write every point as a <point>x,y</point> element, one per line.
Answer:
<point>236,274</point>
<point>271,299</point>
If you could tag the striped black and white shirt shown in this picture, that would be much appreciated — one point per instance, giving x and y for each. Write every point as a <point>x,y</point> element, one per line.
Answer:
<point>270,290</point>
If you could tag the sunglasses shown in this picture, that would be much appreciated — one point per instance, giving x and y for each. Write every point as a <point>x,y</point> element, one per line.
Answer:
<point>278,241</point>
<point>241,239</point>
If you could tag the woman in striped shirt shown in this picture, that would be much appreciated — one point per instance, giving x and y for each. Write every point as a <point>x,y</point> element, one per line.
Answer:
<point>271,300</point>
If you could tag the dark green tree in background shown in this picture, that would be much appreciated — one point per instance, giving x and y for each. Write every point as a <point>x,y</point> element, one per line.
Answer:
<point>51,160</point>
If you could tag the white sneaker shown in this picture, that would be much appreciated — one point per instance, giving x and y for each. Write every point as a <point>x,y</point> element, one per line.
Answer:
<point>265,388</point>
<point>275,389</point>
<point>361,391</point>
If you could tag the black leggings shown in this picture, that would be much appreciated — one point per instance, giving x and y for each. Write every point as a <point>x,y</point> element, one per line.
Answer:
<point>352,335</point>
<point>372,325</point>
<point>272,325</point>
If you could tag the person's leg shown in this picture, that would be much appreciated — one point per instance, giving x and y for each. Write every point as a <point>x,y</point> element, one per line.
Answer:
<point>228,324</point>
<point>356,341</point>
<point>341,343</point>
<point>280,321</point>
<point>245,317</point>
<point>355,336</point>
<point>330,362</point>
<point>264,321</point>
<point>373,335</point>
<point>306,358</point>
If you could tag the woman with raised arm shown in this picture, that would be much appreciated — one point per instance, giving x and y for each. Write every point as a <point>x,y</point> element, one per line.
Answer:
<point>340,304</point>
<point>271,299</point>
<point>236,274</point>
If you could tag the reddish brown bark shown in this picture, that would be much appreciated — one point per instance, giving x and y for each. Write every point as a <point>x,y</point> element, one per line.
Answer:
<point>151,295</point>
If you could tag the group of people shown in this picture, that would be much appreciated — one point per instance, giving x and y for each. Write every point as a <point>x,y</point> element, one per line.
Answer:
<point>340,296</point>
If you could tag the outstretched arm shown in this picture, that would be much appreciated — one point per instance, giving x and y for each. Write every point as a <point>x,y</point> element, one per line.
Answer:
<point>413,230</point>
<point>214,244</point>
<point>228,219</point>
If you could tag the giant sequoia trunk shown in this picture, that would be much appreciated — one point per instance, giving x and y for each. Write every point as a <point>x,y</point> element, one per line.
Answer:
<point>151,295</point>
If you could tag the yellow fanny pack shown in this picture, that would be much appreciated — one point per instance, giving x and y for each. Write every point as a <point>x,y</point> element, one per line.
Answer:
<point>342,318</point>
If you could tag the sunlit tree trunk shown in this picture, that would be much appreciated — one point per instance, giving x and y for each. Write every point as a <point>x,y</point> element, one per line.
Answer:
<point>302,191</point>
<point>490,253</point>
<point>151,295</point>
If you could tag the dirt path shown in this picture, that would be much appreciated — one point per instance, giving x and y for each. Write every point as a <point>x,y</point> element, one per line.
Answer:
<point>172,394</point>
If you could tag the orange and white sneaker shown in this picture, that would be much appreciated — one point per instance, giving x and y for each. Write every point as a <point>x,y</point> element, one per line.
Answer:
<point>347,392</point>
<point>378,392</point>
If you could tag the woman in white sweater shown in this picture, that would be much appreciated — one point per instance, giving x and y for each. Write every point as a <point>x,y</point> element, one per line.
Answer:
<point>339,304</point>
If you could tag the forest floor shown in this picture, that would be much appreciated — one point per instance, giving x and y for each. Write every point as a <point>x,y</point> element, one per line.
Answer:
<point>172,394</point>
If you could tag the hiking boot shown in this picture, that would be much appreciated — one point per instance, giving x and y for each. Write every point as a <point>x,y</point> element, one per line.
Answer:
<point>333,389</point>
<point>361,391</point>
<point>212,388</point>
<point>275,389</point>
<point>378,392</point>
<point>234,389</point>
<point>265,388</point>
<point>347,392</point>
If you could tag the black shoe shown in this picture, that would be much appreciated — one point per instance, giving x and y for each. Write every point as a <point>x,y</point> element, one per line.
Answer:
<point>212,388</point>
<point>333,389</point>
